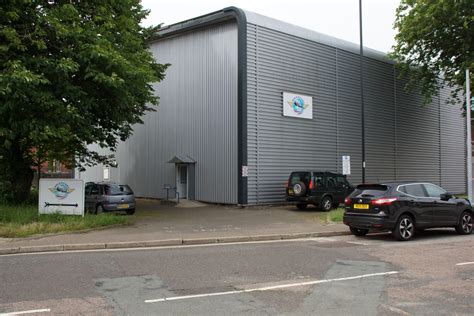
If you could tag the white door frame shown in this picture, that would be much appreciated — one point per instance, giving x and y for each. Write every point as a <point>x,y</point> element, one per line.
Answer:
<point>178,179</point>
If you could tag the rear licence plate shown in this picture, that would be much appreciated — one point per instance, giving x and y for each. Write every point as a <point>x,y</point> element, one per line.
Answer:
<point>361,206</point>
<point>122,206</point>
<point>290,191</point>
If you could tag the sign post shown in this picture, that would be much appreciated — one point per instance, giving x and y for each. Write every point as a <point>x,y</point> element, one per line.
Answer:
<point>64,196</point>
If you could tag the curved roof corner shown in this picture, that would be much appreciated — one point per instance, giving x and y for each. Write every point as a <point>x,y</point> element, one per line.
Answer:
<point>243,17</point>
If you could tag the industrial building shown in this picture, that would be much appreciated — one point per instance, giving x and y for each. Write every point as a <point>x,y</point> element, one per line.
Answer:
<point>248,99</point>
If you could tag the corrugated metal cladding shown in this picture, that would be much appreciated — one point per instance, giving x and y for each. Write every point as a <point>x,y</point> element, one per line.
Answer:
<point>96,173</point>
<point>197,116</point>
<point>403,139</point>
<point>453,137</point>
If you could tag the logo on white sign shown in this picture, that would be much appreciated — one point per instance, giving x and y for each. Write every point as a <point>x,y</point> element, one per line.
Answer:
<point>297,105</point>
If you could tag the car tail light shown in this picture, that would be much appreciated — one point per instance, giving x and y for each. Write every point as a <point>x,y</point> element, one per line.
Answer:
<point>311,185</point>
<point>287,183</point>
<point>347,201</point>
<point>384,201</point>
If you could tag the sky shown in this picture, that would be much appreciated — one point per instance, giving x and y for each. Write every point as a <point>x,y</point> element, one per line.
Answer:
<point>338,18</point>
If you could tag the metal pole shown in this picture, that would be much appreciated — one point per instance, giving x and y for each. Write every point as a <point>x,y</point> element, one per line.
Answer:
<point>362,91</point>
<point>468,140</point>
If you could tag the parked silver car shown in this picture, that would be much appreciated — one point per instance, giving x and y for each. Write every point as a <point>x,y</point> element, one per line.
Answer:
<point>109,197</point>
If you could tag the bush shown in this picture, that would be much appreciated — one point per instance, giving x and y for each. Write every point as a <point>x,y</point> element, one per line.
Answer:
<point>5,191</point>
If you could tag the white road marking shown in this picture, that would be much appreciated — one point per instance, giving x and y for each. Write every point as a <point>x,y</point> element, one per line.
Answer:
<point>164,247</point>
<point>464,263</point>
<point>324,239</point>
<point>395,310</point>
<point>269,288</point>
<point>33,311</point>
<point>358,243</point>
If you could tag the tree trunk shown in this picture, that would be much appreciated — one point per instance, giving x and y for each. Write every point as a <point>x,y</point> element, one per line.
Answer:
<point>21,185</point>
<point>20,175</point>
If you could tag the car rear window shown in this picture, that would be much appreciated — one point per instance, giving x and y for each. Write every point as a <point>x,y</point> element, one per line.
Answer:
<point>373,190</point>
<point>118,189</point>
<point>299,177</point>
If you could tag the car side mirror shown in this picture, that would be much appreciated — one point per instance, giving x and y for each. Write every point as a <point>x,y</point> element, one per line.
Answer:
<point>445,196</point>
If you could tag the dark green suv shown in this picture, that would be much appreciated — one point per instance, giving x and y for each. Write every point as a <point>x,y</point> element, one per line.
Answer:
<point>323,189</point>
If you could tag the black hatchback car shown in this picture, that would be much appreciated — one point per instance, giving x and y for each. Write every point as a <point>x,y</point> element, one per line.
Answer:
<point>323,189</point>
<point>405,207</point>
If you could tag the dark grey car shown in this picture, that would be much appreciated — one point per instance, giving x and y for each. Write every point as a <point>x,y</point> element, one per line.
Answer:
<point>404,208</point>
<point>109,197</point>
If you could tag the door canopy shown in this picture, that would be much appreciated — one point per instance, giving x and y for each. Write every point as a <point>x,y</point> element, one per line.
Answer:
<point>182,159</point>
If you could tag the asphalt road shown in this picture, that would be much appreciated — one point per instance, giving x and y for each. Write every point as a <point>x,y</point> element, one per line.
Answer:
<point>343,275</point>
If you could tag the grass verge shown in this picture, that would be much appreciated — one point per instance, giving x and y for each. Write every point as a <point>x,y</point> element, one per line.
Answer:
<point>24,221</point>
<point>334,216</point>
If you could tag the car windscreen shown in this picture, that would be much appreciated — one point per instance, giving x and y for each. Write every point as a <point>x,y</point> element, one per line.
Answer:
<point>370,190</point>
<point>299,177</point>
<point>118,189</point>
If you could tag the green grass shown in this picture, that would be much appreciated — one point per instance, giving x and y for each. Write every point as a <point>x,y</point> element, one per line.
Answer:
<point>334,216</point>
<point>24,221</point>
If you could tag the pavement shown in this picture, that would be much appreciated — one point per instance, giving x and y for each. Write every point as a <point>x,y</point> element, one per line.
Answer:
<point>157,224</point>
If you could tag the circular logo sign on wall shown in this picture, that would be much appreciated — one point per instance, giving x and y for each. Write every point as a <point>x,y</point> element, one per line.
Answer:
<point>298,104</point>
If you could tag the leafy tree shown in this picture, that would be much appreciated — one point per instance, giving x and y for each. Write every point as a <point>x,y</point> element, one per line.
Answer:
<point>72,73</point>
<point>435,40</point>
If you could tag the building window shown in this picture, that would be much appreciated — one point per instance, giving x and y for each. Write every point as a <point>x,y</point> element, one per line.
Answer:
<point>54,166</point>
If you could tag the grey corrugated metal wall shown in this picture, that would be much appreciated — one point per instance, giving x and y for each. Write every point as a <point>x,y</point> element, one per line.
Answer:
<point>452,138</point>
<point>403,139</point>
<point>96,173</point>
<point>418,133</point>
<point>197,116</point>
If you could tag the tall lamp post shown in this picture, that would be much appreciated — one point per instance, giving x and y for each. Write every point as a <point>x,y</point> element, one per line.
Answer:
<point>362,91</point>
<point>468,138</point>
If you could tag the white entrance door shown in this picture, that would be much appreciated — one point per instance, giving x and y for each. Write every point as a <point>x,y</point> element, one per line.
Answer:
<point>182,181</point>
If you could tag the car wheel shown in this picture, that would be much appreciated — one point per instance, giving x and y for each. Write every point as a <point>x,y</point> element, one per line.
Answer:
<point>359,231</point>
<point>404,229</point>
<point>299,188</point>
<point>464,227</point>
<point>301,206</point>
<point>99,209</point>
<point>130,211</point>
<point>326,204</point>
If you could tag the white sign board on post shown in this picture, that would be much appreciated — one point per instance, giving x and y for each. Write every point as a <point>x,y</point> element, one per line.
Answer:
<point>106,174</point>
<point>346,165</point>
<point>245,171</point>
<point>65,196</point>
<point>297,105</point>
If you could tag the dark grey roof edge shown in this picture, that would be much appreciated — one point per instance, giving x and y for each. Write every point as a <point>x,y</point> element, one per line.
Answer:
<point>267,22</point>
<point>198,22</point>
<point>284,27</point>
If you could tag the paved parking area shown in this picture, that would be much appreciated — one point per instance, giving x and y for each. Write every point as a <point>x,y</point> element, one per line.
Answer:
<point>154,221</point>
